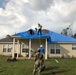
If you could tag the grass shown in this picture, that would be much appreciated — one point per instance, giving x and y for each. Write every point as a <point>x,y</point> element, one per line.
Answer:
<point>25,67</point>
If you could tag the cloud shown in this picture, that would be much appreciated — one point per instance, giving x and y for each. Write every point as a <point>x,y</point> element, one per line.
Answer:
<point>11,19</point>
<point>20,15</point>
<point>40,4</point>
<point>68,1</point>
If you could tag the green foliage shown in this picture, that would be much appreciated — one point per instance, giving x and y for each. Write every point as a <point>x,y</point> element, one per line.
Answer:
<point>25,67</point>
<point>74,35</point>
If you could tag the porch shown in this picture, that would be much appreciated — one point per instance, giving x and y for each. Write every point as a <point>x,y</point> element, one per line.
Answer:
<point>32,44</point>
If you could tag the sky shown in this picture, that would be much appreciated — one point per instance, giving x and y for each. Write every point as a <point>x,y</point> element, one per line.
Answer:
<point>21,15</point>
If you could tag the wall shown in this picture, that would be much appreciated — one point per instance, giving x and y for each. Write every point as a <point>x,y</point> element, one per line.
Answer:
<point>4,53</point>
<point>35,44</point>
<point>65,48</point>
<point>1,48</point>
<point>65,51</point>
<point>8,53</point>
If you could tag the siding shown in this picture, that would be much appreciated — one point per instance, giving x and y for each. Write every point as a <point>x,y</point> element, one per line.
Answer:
<point>65,50</point>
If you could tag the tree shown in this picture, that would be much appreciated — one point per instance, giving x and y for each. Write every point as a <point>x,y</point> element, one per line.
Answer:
<point>74,35</point>
<point>64,32</point>
<point>67,31</point>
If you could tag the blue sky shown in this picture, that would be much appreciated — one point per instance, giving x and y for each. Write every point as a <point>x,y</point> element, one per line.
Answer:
<point>20,15</point>
<point>3,3</point>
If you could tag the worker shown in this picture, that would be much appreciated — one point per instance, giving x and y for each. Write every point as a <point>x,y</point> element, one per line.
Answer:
<point>39,29</point>
<point>39,63</point>
<point>31,32</point>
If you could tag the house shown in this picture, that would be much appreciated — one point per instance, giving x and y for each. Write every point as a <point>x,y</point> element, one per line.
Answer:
<point>23,44</point>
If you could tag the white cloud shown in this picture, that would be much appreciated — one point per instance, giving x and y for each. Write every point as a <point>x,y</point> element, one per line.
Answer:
<point>40,4</point>
<point>20,15</point>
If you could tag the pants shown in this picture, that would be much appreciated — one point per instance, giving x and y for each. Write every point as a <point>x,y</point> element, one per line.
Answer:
<point>38,67</point>
<point>39,32</point>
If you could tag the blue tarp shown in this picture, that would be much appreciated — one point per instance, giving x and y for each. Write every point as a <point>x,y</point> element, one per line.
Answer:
<point>51,36</point>
<point>55,37</point>
<point>35,36</point>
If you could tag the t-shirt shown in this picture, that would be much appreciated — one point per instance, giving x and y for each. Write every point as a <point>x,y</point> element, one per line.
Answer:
<point>40,27</point>
<point>41,50</point>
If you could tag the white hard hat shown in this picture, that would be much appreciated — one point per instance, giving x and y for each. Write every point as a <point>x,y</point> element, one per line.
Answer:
<point>40,45</point>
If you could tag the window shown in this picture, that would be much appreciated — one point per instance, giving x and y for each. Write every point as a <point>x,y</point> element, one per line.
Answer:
<point>55,49</point>
<point>7,47</point>
<point>4,49</point>
<point>25,48</point>
<point>52,51</point>
<point>74,47</point>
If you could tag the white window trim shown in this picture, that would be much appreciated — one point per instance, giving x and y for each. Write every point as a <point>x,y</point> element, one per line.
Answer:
<point>7,47</point>
<point>23,47</point>
<point>73,46</point>
<point>56,48</point>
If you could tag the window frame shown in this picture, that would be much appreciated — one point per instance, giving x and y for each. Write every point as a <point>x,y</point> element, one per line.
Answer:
<point>73,46</point>
<point>25,49</point>
<point>55,49</point>
<point>7,47</point>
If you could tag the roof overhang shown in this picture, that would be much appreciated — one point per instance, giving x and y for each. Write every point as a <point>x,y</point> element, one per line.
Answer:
<point>64,42</point>
<point>16,37</point>
<point>6,42</point>
<point>19,37</point>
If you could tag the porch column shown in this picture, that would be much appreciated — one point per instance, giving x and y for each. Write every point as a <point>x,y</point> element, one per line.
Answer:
<point>17,48</point>
<point>13,49</point>
<point>49,50</point>
<point>29,48</point>
<point>45,48</point>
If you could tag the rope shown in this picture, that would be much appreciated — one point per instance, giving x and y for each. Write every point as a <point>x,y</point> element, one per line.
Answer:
<point>39,40</point>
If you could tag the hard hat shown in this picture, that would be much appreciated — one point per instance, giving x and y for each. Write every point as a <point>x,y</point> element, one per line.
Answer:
<point>39,24</point>
<point>41,46</point>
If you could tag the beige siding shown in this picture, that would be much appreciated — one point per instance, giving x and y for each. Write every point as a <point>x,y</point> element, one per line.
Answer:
<point>3,53</point>
<point>24,41</point>
<point>37,42</point>
<point>65,50</point>
<point>16,48</point>
<point>8,53</point>
<point>1,48</point>
<point>54,55</point>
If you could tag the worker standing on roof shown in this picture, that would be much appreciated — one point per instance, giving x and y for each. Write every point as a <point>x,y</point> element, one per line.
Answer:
<point>39,29</point>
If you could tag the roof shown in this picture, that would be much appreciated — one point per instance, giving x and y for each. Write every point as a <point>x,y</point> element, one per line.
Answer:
<point>27,35</point>
<point>51,36</point>
<point>56,37</point>
<point>7,39</point>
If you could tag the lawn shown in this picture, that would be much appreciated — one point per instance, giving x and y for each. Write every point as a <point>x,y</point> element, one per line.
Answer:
<point>25,67</point>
